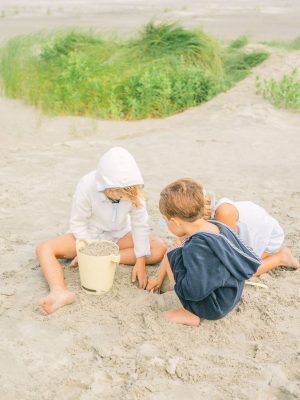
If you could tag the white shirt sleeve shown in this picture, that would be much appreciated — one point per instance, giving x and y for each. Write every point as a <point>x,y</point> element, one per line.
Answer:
<point>81,212</point>
<point>140,230</point>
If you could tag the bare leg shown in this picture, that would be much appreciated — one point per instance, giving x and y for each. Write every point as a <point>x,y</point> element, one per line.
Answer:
<point>48,253</point>
<point>283,258</point>
<point>264,255</point>
<point>181,316</point>
<point>126,245</point>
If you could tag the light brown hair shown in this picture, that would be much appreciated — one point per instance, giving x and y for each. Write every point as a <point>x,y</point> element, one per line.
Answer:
<point>184,199</point>
<point>133,194</point>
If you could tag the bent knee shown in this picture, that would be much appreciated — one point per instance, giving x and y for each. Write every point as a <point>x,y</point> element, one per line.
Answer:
<point>163,249</point>
<point>42,247</point>
<point>159,250</point>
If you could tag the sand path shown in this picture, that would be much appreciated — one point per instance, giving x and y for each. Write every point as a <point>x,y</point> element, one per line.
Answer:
<point>118,346</point>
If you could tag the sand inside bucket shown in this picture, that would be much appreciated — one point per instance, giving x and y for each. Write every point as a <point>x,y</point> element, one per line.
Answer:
<point>99,249</point>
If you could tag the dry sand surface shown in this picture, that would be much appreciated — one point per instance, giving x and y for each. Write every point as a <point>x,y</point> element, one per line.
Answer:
<point>99,249</point>
<point>118,346</point>
<point>261,19</point>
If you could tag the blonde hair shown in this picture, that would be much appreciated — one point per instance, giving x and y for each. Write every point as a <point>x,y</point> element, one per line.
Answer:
<point>184,199</point>
<point>133,194</point>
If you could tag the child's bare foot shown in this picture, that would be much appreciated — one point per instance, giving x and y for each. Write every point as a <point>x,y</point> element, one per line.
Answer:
<point>182,317</point>
<point>287,259</point>
<point>54,301</point>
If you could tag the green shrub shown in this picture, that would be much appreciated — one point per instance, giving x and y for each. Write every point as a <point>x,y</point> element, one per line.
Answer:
<point>283,94</point>
<point>163,71</point>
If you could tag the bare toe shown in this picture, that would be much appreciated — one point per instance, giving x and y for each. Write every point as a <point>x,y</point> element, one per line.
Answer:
<point>182,317</point>
<point>54,301</point>
<point>288,260</point>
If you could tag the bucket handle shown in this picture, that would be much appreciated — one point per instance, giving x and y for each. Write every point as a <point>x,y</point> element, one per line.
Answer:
<point>114,258</point>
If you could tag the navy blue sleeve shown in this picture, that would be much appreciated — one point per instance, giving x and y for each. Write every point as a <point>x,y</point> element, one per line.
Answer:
<point>196,270</point>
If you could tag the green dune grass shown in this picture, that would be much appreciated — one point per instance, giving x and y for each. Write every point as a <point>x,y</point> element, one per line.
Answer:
<point>284,93</point>
<point>289,45</point>
<point>164,70</point>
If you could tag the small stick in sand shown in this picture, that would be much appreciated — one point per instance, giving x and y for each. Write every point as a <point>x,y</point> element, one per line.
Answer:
<point>261,285</point>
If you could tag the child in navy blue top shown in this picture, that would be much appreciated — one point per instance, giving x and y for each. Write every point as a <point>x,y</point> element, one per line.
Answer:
<point>209,268</point>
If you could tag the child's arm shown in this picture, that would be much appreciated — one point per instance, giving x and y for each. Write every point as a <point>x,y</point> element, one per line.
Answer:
<point>81,212</point>
<point>140,236</point>
<point>139,271</point>
<point>228,215</point>
<point>156,281</point>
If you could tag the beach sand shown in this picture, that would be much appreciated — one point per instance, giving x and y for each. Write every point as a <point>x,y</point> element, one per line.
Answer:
<point>118,346</point>
<point>260,19</point>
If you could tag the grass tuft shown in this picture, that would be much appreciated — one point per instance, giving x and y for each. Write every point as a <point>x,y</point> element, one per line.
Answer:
<point>163,71</point>
<point>283,94</point>
<point>291,45</point>
<point>238,65</point>
<point>240,42</point>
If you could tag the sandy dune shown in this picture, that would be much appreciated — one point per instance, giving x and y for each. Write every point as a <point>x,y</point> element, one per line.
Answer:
<point>118,346</point>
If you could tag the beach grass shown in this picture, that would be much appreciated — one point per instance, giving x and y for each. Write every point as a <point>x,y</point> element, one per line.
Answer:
<point>289,45</point>
<point>240,42</point>
<point>163,71</point>
<point>283,94</point>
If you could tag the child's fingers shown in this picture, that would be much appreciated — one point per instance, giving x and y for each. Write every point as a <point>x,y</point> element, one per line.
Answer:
<point>74,263</point>
<point>177,243</point>
<point>134,275</point>
<point>150,285</point>
<point>144,282</point>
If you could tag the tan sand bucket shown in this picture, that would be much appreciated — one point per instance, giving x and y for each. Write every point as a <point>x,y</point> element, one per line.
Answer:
<point>96,272</point>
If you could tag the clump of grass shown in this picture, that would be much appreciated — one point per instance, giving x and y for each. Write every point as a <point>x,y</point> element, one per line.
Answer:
<point>171,40</point>
<point>283,94</point>
<point>240,42</point>
<point>163,71</point>
<point>238,65</point>
<point>290,45</point>
<point>295,44</point>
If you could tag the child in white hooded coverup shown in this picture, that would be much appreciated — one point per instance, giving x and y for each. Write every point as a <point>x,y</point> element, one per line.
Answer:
<point>109,204</point>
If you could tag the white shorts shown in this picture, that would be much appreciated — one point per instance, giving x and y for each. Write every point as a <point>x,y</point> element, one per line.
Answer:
<point>106,236</point>
<point>276,239</point>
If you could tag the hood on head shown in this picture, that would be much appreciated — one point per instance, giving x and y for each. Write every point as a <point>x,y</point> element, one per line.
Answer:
<point>117,168</point>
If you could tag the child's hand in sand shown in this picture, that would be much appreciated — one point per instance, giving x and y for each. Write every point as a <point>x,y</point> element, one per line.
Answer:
<point>139,271</point>
<point>74,263</point>
<point>154,282</point>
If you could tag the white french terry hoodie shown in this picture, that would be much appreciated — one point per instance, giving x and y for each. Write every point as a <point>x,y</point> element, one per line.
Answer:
<point>94,216</point>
